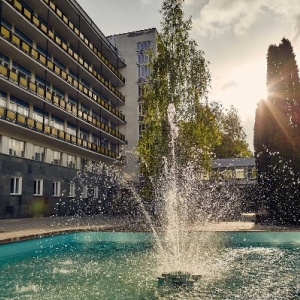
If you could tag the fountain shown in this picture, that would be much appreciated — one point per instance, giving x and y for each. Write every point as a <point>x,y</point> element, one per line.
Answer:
<point>176,260</point>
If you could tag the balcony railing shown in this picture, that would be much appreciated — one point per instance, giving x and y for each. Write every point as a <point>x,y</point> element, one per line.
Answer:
<point>40,91</point>
<point>65,19</point>
<point>50,33</point>
<point>32,124</point>
<point>8,35</point>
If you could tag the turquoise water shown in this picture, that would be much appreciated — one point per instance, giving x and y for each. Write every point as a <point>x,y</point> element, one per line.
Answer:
<point>120,266</point>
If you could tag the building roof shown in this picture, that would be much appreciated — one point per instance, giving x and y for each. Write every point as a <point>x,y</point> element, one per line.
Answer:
<point>233,162</point>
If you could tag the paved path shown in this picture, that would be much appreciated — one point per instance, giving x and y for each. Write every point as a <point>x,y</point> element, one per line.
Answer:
<point>21,229</point>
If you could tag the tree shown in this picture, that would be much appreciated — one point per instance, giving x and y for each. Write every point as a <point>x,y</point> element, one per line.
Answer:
<point>233,140</point>
<point>276,136</point>
<point>179,75</point>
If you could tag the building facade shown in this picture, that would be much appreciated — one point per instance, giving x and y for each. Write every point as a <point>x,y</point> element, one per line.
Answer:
<point>240,170</point>
<point>60,105</point>
<point>134,47</point>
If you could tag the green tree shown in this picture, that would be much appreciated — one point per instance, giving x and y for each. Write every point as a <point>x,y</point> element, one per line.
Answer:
<point>179,75</point>
<point>233,140</point>
<point>276,136</point>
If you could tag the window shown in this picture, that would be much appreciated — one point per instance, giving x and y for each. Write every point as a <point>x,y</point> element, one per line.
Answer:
<point>86,165</point>
<point>141,113</point>
<point>141,91</point>
<point>16,186</point>
<point>16,147</point>
<point>56,158</point>
<point>4,60</point>
<point>21,70</point>
<point>96,140</point>
<point>142,128</point>
<point>143,72</point>
<point>57,123</point>
<point>71,129</point>
<point>239,173</point>
<point>71,161</point>
<point>40,115</point>
<point>96,116</point>
<point>72,189</point>
<point>96,192</point>
<point>56,189</point>
<point>23,36</point>
<point>142,46</point>
<point>84,108</point>
<point>38,187</point>
<point>84,135</point>
<point>72,101</point>
<point>19,106</point>
<point>113,147</point>
<point>3,97</point>
<point>39,153</point>
<point>84,191</point>
<point>104,120</point>
<point>142,58</point>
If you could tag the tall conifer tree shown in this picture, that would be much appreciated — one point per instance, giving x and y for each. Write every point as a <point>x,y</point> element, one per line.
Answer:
<point>276,136</point>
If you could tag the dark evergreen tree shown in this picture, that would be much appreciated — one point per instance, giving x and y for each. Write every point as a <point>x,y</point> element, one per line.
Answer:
<point>276,136</point>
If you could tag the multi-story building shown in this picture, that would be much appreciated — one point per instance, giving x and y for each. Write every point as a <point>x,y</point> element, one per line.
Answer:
<point>60,105</point>
<point>134,47</point>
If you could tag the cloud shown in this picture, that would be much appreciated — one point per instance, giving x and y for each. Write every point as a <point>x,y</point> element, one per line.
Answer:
<point>230,85</point>
<point>220,16</point>
<point>146,2</point>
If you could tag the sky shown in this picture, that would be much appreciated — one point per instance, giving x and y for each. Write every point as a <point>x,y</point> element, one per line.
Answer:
<point>234,35</point>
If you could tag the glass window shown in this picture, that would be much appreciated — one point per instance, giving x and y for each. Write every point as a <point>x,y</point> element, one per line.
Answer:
<point>16,186</point>
<point>239,173</point>
<point>141,113</point>
<point>96,192</point>
<point>57,123</point>
<point>21,70</point>
<point>5,23</point>
<point>16,147</point>
<point>58,92</point>
<point>56,188</point>
<point>142,128</point>
<point>3,96</point>
<point>96,116</point>
<point>19,106</point>
<point>72,101</point>
<point>85,191</point>
<point>40,115</point>
<point>104,120</point>
<point>56,157</point>
<point>71,129</point>
<point>58,63</point>
<point>4,60</point>
<point>71,161</point>
<point>23,36</point>
<point>38,187</point>
<point>39,153</point>
<point>84,108</point>
<point>72,189</point>
<point>96,140</point>
<point>84,135</point>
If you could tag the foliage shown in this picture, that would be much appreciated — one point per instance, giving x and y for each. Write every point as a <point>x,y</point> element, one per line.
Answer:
<point>233,140</point>
<point>277,137</point>
<point>179,75</point>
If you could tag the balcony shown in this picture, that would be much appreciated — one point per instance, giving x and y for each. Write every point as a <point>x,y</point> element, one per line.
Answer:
<point>52,98</point>
<point>89,44</point>
<point>34,125</point>
<point>9,36</point>
<point>33,19</point>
